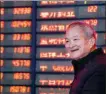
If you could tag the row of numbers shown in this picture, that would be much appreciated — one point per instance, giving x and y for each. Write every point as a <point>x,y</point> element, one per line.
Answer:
<point>19,50</point>
<point>18,63</point>
<point>18,11</point>
<point>17,37</point>
<point>17,76</point>
<point>17,89</point>
<point>17,24</point>
<point>27,10</point>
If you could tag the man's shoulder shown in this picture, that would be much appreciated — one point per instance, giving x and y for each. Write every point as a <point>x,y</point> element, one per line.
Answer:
<point>101,59</point>
<point>101,62</point>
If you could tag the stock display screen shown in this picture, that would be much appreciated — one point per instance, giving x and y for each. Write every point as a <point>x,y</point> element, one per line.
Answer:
<point>54,66</point>
<point>15,52</point>
<point>61,26</point>
<point>20,49</point>
<point>70,2</point>
<point>53,18</point>
<point>15,78</point>
<point>15,26</point>
<point>15,65</point>
<point>15,47</point>
<point>52,91</point>
<point>15,39</point>
<point>15,13</point>
<point>54,80</point>
<point>74,12</point>
<point>15,90</point>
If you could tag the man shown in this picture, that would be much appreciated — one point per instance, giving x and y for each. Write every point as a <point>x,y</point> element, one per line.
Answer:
<point>89,62</point>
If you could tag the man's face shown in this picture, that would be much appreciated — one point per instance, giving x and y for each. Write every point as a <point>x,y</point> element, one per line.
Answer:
<point>77,44</point>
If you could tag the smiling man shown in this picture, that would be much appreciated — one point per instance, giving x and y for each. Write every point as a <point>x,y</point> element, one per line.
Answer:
<point>89,61</point>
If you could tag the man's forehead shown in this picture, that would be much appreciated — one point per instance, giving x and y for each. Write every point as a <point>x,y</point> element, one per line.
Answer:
<point>75,32</point>
<point>75,28</point>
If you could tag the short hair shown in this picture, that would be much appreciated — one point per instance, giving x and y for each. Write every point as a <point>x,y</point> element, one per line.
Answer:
<point>87,28</point>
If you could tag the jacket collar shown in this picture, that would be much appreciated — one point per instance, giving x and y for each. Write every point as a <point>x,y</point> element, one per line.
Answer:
<point>80,64</point>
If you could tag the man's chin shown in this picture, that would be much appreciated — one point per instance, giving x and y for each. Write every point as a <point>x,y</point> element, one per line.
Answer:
<point>75,57</point>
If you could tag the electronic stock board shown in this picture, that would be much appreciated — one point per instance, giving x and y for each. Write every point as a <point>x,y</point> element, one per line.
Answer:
<point>53,71</point>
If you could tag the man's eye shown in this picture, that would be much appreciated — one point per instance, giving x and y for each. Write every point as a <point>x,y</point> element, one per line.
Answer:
<point>76,39</point>
<point>67,41</point>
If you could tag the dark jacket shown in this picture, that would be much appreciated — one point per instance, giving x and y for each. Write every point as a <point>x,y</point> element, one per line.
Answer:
<point>90,74</point>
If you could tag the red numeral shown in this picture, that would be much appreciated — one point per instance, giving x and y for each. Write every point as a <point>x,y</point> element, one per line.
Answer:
<point>92,8</point>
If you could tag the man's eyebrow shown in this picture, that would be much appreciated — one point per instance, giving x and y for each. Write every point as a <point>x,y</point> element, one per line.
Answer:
<point>71,37</point>
<point>76,36</point>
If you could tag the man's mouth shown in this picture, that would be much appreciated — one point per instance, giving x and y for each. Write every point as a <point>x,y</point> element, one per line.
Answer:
<point>73,50</point>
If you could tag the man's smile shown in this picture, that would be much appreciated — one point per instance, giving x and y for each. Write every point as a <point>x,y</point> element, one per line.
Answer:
<point>74,50</point>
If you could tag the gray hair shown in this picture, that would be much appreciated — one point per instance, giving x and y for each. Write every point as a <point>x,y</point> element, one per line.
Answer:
<point>86,28</point>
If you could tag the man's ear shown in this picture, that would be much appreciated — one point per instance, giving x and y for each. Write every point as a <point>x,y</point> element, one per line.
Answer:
<point>92,42</point>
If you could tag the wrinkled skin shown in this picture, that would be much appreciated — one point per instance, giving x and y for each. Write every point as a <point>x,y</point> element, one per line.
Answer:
<point>77,43</point>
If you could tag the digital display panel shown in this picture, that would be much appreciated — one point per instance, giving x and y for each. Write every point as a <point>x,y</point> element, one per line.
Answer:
<point>15,89</point>
<point>59,39</point>
<point>71,12</point>
<point>85,2</point>
<point>43,3</point>
<point>15,52</point>
<point>52,91</point>
<point>54,66</point>
<point>15,65</point>
<point>15,39</point>
<point>52,53</point>
<point>15,78</point>
<point>54,80</point>
<point>15,13</point>
<point>15,47</point>
<point>61,26</point>
<point>15,26</point>
<point>70,2</point>
<point>15,3</point>
<point>101,39</point>
<point>54,39</point>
